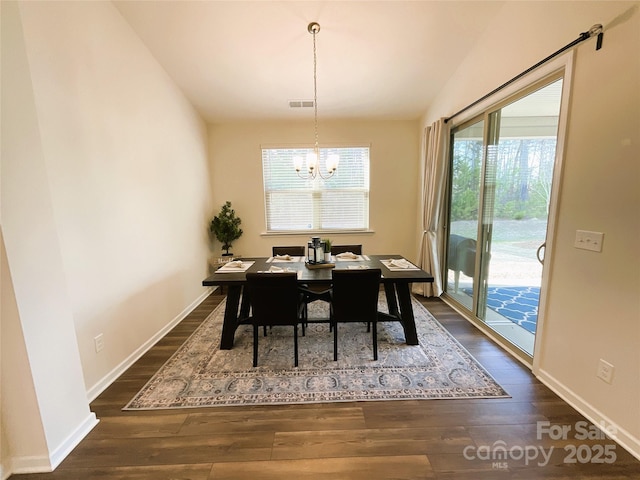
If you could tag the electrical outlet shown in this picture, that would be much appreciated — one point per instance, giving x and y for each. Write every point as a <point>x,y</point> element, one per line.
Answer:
<point>98,340</point>
<point>589,240</point>
<point>605,371</point>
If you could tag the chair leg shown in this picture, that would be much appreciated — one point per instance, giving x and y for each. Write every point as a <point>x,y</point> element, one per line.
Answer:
<point>295,343</point>
<point>255,345</point>
<point>304,324</point>
<point>304,318</point>
<point>375,340</point>
<point>335,341</point>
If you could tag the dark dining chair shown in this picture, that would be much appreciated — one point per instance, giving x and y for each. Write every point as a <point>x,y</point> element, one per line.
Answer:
<point>311,294</point>
<point>275,300</point>
<point>323,291</point>
<point>293,250</point>
<point>336,249</point>
<point>354,298</point>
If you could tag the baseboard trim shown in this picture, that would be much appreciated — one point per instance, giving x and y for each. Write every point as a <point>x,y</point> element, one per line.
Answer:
<point>46,464</point>
<point>108,379</point>
<point>31,464</point>
<point>4,472</point>
<point>623,438</point>
<point>72,441</point>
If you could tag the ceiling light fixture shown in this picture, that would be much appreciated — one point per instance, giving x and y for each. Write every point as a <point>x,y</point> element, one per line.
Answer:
<point>313,158</point>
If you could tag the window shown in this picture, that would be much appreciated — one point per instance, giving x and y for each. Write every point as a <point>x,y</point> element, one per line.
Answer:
<point>338,203</point>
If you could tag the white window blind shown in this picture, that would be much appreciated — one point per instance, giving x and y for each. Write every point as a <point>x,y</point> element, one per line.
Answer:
<point>338,203</point>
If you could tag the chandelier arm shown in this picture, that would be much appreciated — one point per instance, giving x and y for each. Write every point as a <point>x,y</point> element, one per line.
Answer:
<point>314,174</point>
<point>327,176</point>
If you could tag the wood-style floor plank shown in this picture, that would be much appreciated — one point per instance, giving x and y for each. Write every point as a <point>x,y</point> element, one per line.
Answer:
<point>414,413</point>
<point>361,468</point>
<point>123,451</point>
<point>409,439</point>
<point>158,472</point>
<point>139,426</point>
<point>370,442</point>
<point>323,417</point>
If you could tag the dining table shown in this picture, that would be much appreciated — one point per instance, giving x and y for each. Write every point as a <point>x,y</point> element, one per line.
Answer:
<point>397,276</point>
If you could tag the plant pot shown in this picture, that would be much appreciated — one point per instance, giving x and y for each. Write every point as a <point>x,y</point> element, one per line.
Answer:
<point>327,257</point>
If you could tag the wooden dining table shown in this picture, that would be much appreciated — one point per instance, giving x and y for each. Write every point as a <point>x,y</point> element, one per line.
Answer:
<point>395,280</point>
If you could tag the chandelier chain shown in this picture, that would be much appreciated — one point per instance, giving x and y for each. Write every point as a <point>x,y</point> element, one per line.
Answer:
<point>313,160</point>
<point>315,94</point>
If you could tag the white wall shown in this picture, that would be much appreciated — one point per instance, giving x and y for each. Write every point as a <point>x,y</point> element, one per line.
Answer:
<point>235,152</point>
<point>127,163</point>
<point>44,425</point>
<point>18,376</point>
<point>105,200</point>
<point>593,306</point>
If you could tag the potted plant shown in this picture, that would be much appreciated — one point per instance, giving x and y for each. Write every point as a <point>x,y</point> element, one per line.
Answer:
<point>226,227</point>
<point>327,249</point>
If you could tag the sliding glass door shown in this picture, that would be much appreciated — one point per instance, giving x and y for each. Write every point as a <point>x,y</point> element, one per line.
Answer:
<point>502,165</point>
<point>467,160</point>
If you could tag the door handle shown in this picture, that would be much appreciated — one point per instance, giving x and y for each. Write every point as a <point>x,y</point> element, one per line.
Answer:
<point>540,248</point>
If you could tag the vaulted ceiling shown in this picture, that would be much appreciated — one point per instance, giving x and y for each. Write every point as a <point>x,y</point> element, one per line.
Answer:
<point>245,60</point>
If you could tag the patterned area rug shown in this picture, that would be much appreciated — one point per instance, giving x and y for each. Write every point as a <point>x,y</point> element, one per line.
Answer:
<point>199,374</point>
<point>518,304</point>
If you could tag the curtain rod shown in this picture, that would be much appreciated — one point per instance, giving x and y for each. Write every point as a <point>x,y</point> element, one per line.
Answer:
<point>593,31</point>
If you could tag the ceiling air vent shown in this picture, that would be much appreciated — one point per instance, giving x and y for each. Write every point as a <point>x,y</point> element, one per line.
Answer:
<point>300,103</point>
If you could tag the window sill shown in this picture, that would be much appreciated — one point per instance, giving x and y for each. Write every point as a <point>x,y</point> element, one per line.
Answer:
<point>317,233</point>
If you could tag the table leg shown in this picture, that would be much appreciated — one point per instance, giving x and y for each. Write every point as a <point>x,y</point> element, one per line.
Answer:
<point>245,305</point>
<point>230,317</point>
<point>392,303</point>
<point>406,313</point>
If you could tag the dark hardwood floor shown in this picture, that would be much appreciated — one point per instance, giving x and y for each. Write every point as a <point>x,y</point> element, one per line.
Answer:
<point>431,439</point>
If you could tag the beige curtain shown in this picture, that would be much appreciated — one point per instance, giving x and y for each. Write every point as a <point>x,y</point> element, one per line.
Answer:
<point>435,168</point>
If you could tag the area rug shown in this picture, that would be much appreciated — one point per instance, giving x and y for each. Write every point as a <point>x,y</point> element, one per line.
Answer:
<point>517,304</point>
<point>199,374</point>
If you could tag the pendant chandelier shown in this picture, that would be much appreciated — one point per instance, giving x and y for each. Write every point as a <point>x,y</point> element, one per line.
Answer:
<point>313,158</point>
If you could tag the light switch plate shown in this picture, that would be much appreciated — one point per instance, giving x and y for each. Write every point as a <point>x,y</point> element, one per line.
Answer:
<point>587,240</point>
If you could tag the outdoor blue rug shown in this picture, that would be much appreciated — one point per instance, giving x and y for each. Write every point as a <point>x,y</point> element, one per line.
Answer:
<point>518,304</point>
